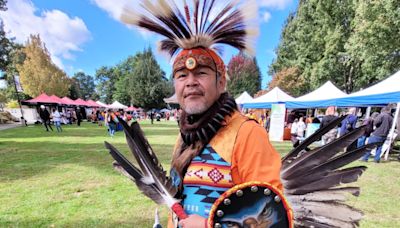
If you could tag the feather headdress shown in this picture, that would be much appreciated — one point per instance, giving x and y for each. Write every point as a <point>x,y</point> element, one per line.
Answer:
<point>201,23</point>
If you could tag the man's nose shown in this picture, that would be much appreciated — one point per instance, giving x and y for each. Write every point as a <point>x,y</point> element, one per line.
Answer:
<point>191,80</point>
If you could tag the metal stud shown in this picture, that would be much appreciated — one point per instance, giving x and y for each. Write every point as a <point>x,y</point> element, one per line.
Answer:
<point>277,199</point>
<point>239,193</point>
<point>227,201</point>
<point>217,225</point>
<point>220,213</point>
<point>267,192</point>
<point>254,188</point>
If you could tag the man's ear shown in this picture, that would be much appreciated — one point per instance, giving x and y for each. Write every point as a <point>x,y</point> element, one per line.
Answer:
<point>221,83</point>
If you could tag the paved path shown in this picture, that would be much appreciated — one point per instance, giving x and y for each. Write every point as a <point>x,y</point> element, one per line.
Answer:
<point>8,126</point>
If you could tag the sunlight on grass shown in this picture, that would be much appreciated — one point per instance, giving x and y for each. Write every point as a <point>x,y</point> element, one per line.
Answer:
<point>67,180</point>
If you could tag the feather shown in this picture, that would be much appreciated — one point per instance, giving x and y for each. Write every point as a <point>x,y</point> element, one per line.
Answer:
<point>322,222</point>
<point>126,168</point>
<point>319,155</point>
<point>146,158</point>
<point>331,180</point>
<point>311,139</point>
<point>341,211</point>
<point>323,169</point>
<point>233,25</point>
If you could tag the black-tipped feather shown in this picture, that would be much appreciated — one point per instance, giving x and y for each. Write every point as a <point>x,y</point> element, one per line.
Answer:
<point>311,139</point>
<point>126,168</point>
<point>331,180</point>
<point>320,155</point>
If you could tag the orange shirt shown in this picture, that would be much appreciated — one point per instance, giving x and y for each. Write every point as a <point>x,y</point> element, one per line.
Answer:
<point>254,158</point>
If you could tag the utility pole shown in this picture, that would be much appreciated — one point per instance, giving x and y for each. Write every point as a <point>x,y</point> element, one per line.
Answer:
<point>23,121</point>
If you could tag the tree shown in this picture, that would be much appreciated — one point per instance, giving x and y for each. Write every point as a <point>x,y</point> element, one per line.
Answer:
<point>123,71</point>
<point>38,73</point>
<point>106,80</point>
<point>289,80</point>
<point>148,84</point>
<point>375,44</point>
<point>83,85</point>
<point>3,5</point>
<point>5,48</point>
<point>244,75</point>
<point>352,43</point>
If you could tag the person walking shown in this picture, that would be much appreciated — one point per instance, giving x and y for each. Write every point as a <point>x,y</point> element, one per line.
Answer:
<point>111,122</point>
<point>45,116</point>
<point>327,119</point>
<point>382,124</point>
<point>57,119</point>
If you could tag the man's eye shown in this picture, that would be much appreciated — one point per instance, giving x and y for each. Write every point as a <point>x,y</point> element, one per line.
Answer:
<point>181,76</point>
<point>203,72</point>
<point>267,212</point>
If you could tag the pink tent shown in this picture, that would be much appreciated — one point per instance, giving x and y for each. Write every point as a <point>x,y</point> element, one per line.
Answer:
<point>44,98</point>
<point>131,108</point>
<point>92,103</point>
<point>57,99</point>
<point>68,101</point>
<point>81,102</point>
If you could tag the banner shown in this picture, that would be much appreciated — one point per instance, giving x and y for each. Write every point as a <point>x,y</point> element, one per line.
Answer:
<point>276,129</point>
<point>18,84</point>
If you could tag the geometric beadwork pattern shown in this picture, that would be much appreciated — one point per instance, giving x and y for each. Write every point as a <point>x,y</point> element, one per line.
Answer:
<point>207,177</point>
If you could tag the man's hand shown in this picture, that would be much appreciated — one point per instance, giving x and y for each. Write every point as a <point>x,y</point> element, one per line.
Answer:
<point>193,221</point>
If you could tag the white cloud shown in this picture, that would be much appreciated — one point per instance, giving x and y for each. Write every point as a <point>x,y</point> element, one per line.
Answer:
<point>266,16</point>
<point>275,4</point>
<point>62,34</point>
<point>113,8</point>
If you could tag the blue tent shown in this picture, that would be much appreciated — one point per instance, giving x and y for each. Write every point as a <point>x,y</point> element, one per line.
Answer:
<point>384,92</point>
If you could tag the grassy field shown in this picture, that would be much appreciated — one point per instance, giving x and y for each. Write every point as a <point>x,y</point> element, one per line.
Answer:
<point>50,179</point>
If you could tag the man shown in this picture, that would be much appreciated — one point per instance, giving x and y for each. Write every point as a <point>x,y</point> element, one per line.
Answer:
<point>382,125</point>
<point>238,151</point>
<point>218,147</point>
<point>45,116</point>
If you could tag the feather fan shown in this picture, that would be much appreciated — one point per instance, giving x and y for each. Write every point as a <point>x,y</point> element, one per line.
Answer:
<point>312,180</point>
<point>151,178</point>
<point>210,22</point>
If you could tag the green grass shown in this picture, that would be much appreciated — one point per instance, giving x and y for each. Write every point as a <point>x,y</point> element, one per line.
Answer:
<point>50,179</point>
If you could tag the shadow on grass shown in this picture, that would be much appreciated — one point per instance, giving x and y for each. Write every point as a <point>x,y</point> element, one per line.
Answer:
<point>20,160</point>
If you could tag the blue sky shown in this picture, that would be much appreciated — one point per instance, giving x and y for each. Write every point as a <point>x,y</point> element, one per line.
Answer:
<point>83,35</point>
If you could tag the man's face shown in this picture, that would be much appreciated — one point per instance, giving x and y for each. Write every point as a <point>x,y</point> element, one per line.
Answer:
<point>197,89</point>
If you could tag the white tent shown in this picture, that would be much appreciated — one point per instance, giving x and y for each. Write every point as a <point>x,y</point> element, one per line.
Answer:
<point>171,100</point>
<point>102,104</point>
<point>117,105</point>
<point>326,91</point>
<point>243,98</point>
<point>276,95</point>
<point>389,85</point>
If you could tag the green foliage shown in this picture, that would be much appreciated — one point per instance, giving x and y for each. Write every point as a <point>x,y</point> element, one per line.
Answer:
<point>5,48</point>
<point>83,85</point>
<point>3,5</point>
<point>124,70</point>
<point>12,104</point>
<point>244,75</point>
<point>147,84</point>
<point>351,43</point>
<point>106,80</point>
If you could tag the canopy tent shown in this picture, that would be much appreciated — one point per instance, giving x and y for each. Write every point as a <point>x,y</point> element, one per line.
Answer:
<point>384,92</point>
<point>327,91</point>
<point>44,99</point>
<point>133,109</point>
<point>276,95</point>
<point>68,101</point>
<point>102,104</point>
<point>93,104</point>
<point>59,100</point>
<point>117,105</point>
<point>81,102</point>
<point>171,100</point>
<point>243,98</point>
